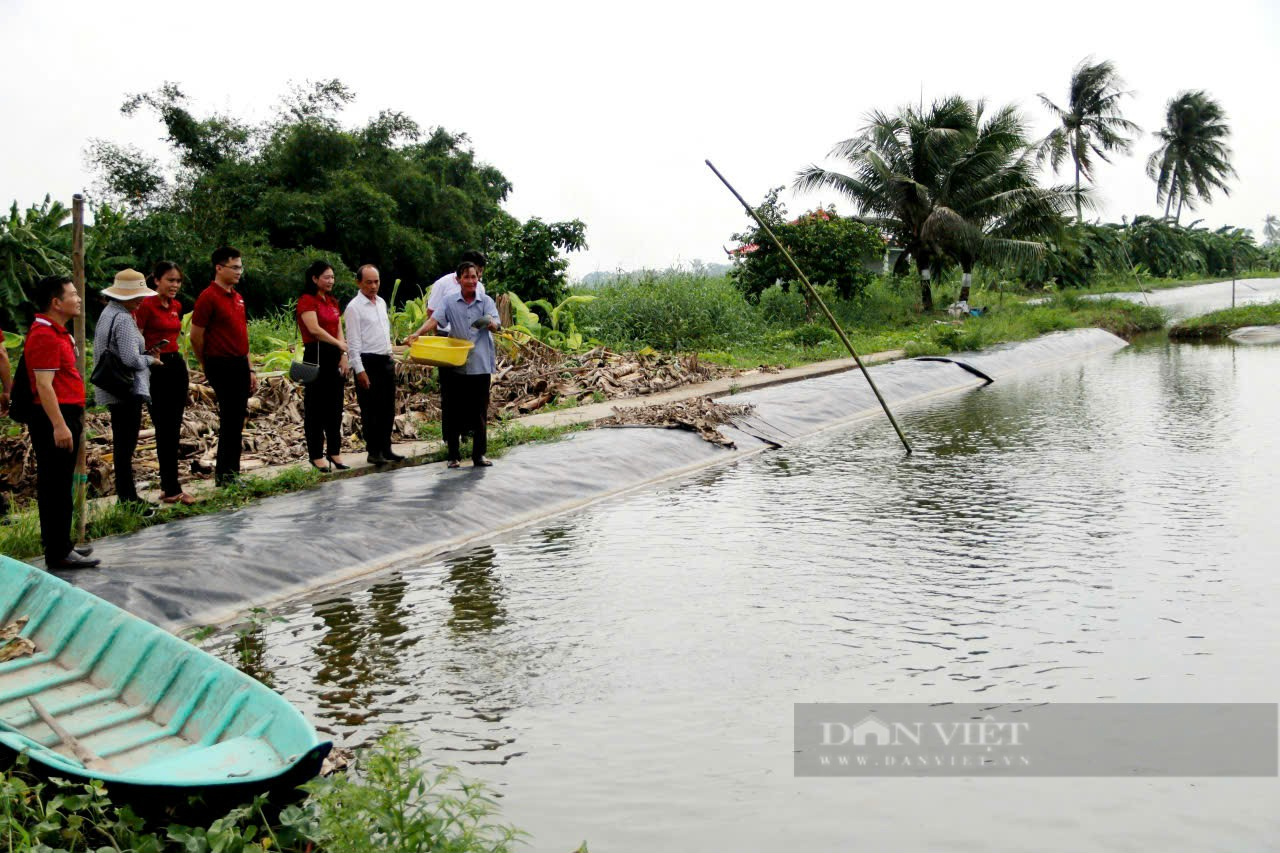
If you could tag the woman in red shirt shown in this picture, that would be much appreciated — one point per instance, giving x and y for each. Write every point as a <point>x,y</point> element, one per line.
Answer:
<point>160,321</point>
<point>320,322</point>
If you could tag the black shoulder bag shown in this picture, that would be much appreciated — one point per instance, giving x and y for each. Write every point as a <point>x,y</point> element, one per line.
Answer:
<point>110,373</point>
<point>21,406</point>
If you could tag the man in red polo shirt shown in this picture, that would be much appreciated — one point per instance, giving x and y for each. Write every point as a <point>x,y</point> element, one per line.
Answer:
<point>58,394</point>
<point>220,341</point>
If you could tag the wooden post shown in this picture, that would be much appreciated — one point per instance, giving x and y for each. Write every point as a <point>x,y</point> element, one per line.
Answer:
<point>81,479</point>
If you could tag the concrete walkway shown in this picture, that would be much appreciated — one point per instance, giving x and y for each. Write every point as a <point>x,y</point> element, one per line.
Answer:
<point>418,451</point>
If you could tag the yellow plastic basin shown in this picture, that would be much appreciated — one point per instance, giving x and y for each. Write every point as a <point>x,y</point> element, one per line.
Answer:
<point>442,352</point>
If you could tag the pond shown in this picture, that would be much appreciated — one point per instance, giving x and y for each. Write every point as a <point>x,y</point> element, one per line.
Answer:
<point>1102,531</point>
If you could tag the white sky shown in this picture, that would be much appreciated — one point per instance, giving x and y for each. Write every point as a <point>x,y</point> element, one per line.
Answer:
<point>606,112</point>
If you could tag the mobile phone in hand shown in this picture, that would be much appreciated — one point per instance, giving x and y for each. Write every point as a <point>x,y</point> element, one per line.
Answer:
<point>160,344</point>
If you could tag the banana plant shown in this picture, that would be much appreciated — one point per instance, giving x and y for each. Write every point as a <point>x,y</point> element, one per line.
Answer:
<point>406,319</point>
<point>568,339</point>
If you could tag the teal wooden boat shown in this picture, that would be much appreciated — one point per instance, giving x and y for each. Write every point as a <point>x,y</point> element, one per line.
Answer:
<point>98,693</point>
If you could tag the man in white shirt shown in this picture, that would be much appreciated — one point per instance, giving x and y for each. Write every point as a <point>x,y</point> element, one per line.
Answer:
<point>446,287</point>
<point>369,353</point>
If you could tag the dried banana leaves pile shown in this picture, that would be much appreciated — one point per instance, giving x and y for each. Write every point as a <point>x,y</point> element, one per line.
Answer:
<point>698,414</point>
<point>530,375</point>
<point>538,380</point>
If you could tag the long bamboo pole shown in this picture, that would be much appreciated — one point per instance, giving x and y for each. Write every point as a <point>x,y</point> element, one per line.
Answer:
<point>814,293</point>
<point>81,480</point>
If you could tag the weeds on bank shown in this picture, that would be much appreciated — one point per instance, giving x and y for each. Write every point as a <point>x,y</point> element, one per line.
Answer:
<point>391,802</point>
<point>20,532</point>
<point>1219,324</point>
<point>505,435</point>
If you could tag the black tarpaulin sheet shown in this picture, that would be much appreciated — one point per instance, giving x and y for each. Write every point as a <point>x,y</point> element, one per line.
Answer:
<point>213,568</point>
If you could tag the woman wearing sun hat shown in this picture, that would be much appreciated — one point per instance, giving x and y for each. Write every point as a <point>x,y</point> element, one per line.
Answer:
<point>118,333</point>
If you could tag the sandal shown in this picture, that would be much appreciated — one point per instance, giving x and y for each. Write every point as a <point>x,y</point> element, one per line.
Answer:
<point>454,463</point>
<point>180,498</point>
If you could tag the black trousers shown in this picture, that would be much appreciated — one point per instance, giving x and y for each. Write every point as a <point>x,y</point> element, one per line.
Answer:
<point>55,469</point>
<point>465,408</point>
<point>322,401</point>
<point>126,421</point>
<point>448,403</point>
<point>229,378</point>
<point>377,402</point>
<point>170,385</point>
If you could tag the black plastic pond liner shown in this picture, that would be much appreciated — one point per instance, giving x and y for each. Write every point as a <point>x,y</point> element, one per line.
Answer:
<point>212,568</point>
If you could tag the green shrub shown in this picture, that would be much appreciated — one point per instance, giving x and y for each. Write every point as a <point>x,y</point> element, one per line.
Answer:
<point>276,330</point>
<point>779,306</point>
<point>391,804</point>
<point>812,334</point>
<point>673,311</point>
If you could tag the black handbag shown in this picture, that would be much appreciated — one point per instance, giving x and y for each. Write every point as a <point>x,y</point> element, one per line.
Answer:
<point>110,373</point>
<point>304,372</point>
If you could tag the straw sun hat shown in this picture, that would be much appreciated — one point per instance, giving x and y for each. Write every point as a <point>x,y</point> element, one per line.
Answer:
<point>129,284</point>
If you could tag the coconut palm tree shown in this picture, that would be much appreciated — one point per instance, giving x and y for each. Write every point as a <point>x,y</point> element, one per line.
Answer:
<point>1193,158</point>
<point>1271,230</point>
<point>948,181</point>
<point>1091,123</point>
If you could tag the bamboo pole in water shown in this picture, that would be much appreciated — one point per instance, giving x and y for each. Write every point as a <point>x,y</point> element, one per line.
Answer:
<point>814,293</point>
<point>81,479</point>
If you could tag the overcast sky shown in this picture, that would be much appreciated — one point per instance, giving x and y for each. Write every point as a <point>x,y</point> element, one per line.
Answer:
<point>605,111</point>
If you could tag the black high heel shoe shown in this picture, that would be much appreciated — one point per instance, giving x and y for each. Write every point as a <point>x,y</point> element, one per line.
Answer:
<point>324,469</point>
<point>337,466</point>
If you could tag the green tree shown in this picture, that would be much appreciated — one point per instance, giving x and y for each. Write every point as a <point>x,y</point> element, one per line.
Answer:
<point>1090,124</point>
<point>1193,158</point>
<point>33,244</point>
<point>526,257</point>
<point>831,249</point>
<point>302,183</point>
<point>37,242</point>
<point>949,181</point>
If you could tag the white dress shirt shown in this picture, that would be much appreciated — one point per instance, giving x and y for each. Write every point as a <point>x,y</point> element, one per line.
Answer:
<point>368,329</point>
<point>446,288</point>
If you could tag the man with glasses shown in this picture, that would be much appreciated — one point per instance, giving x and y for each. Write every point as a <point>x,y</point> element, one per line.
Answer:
<point>220,341</point>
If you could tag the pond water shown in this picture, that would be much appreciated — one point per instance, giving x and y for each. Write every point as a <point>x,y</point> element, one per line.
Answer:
<point>1103,531</point>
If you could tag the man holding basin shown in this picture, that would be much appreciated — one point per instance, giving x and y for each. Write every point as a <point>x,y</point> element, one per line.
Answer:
<point>464,399</point>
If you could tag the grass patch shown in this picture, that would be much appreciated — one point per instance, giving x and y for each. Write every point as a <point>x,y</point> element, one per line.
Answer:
<point>20,534</point>
<point>20,529</point>
<point>1020,322</point>
<point>392,803</point>
<point>1219,324</point>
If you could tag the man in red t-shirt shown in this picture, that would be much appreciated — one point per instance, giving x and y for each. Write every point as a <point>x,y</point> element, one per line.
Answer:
<point>58,392</point>
<point>220,341</point>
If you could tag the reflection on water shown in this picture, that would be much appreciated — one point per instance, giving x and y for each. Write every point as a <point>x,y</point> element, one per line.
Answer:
<point>1099,532</point>
<point>476,597</point>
